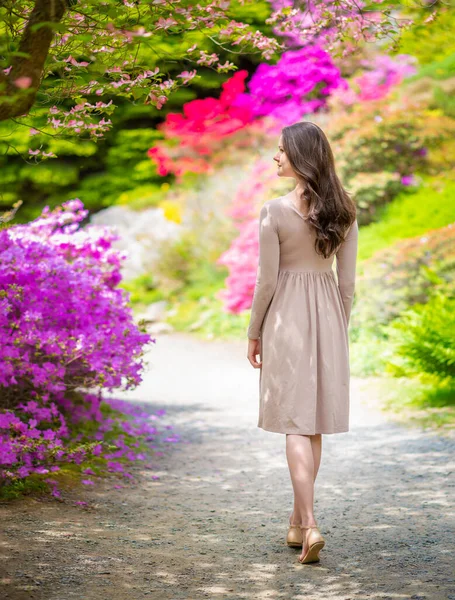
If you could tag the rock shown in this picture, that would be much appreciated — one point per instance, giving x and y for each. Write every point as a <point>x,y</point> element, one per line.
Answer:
<point>156,328</point>
<point>141,234</point>
<point>154,312</point>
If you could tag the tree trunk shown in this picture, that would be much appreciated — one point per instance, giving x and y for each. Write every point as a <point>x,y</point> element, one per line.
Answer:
<point>36,44</point>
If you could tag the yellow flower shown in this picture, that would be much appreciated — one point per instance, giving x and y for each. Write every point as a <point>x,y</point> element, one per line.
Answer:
<point>172,210</point>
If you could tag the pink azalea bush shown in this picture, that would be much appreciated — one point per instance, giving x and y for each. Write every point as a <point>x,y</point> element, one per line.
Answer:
<point>380,74</point>
<point>240,283</point>
<point>251,194</point>
<point>238,293</point>
<point>65,329</point>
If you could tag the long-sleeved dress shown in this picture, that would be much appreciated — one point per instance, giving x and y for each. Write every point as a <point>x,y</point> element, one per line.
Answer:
<point>301,313</point>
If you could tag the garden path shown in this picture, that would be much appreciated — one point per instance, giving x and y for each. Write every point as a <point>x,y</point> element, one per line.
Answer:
<point>214,524</point>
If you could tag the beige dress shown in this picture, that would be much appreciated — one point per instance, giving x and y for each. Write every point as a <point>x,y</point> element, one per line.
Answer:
<point>301,314</point>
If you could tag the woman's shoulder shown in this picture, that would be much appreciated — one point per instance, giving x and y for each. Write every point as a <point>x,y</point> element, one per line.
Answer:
<point>270,211</point>
<point>273,205</point>
<point>277,200</point>
<point>353,227</point>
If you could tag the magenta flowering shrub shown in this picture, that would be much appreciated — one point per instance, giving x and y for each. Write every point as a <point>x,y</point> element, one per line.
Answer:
<point>297,85</point>
<point>64,327</point>
<point>64,322</point>
<point>119,433</point>
<point>382,73</point>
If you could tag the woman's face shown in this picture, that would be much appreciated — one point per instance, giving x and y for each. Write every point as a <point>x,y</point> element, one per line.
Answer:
<point>284,167</point>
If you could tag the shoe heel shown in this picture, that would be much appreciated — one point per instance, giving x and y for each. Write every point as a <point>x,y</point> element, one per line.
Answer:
<point>316,543</point>
<point>294,538</point>
<point>313,553</point>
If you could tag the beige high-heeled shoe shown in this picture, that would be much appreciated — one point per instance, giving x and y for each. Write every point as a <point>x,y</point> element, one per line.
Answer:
<point>315,543</point>
<point>294,537</point>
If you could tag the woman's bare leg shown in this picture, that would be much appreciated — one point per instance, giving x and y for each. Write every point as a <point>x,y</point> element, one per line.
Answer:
<point>315,448</point>
<point>303,456</point>
<point>316,443</point>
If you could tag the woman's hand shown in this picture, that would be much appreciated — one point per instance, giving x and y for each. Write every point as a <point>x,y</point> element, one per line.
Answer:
<point>254,348</point>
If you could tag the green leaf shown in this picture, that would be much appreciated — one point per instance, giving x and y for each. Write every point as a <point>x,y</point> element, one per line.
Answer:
<point>50,24</point>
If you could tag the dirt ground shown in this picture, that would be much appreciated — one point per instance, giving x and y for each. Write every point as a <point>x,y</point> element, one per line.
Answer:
<point>214,524</point>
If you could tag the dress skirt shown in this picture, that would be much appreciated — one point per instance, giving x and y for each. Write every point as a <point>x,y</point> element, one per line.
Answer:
<point>304,378</point>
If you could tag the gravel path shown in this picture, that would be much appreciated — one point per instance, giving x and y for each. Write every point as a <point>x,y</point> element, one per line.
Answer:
<point>214,524</point>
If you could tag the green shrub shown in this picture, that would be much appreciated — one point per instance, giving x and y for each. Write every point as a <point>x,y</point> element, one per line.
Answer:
<point>130,148</point>
<point>432,41</point>
<point>48,175</point>
<point>406,273</point>
<point>369,351</point>
<point>143,290</point>
<point>205,318</point>
<point>411,213</point>
<point>177,259</point>
<point>142,196</point>
<point>424,340</point>
<point>445,99</point>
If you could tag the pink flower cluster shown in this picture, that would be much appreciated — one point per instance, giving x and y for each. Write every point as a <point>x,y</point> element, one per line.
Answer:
<point>64,326</point>
<point>240,283</point>
<point>382,73</point>
<point>80,118</point>
<point>37,438</point>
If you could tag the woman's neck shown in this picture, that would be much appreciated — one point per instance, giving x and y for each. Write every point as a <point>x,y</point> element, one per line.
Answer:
<point>298,197</point>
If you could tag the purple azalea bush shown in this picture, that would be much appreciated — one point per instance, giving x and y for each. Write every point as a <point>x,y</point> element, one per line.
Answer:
<point>66,333</point>
<point>297,85</point>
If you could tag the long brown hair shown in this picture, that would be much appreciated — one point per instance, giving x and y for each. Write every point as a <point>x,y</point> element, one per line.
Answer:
<point>331,210</point>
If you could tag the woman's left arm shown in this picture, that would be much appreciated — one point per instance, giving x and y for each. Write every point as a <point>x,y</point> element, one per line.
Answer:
<point>267,271</point>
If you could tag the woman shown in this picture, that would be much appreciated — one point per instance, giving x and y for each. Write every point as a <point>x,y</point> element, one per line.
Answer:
<point>300,315</point>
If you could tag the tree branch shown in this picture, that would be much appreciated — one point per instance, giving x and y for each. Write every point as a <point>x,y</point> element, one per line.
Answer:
<point>35,43</point>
